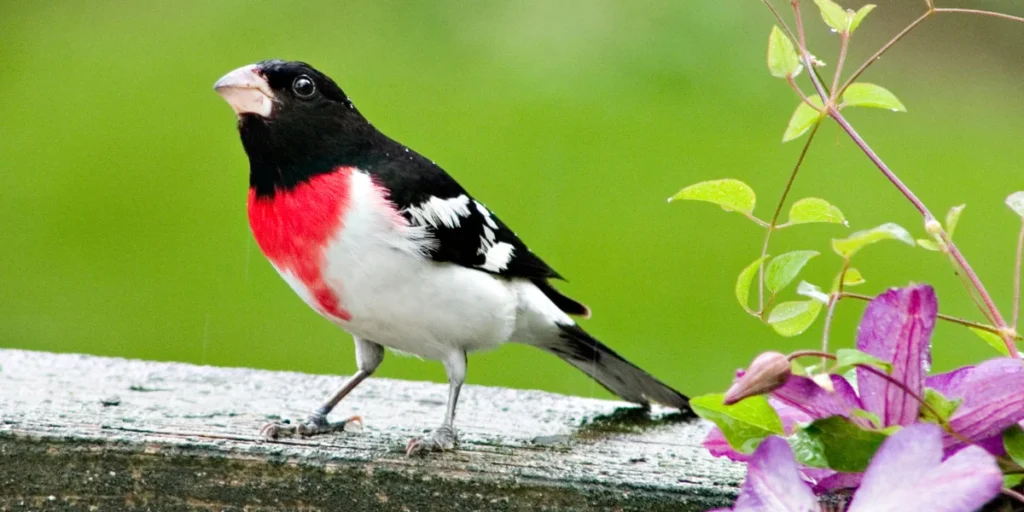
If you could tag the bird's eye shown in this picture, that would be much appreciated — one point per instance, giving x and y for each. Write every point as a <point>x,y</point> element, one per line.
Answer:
<point>303,87</point>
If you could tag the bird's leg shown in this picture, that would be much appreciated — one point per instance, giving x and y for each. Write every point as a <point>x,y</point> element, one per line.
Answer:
<point>444,438</point>
<point>368,356</point>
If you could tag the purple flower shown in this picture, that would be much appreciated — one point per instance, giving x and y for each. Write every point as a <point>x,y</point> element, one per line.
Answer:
<point>992,400</point>
<point>897,328</point>
<point>773,483</point>
<point>907,473</point>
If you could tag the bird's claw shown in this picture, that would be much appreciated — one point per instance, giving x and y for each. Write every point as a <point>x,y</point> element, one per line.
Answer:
<point>443,439</point>
<point>316,424</point>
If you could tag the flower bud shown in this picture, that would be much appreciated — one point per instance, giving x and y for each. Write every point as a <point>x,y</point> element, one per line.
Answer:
<point>767,372</point>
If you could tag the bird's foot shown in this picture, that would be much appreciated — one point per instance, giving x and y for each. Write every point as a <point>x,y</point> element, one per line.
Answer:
<point>315,424</point>
<point>443,439</point>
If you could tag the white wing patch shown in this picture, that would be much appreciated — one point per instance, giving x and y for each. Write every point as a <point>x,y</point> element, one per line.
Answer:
<point>497,257</point>
<point>486,214</point>
<point>439,212</point>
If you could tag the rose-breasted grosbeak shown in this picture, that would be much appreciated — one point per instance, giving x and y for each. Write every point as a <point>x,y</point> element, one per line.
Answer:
<point>383,243</point>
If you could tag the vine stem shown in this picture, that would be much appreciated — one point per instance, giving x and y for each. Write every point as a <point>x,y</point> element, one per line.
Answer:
<point>981,12</point>
<point>890,379</point>
<point>844,46</point>
<point>773,225</point>
<point>1013,494</point>
<point>871,60</point>
<point>833,301</point>
<point>833,112</point>
<point>948,318</point>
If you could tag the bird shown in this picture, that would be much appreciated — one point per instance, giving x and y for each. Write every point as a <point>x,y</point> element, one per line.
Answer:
<point>385,244</point>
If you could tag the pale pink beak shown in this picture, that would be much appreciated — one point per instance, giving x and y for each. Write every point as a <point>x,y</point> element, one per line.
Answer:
<point>246,91</point>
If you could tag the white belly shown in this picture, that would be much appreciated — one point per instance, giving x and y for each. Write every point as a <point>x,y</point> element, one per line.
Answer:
<point>401,299</point>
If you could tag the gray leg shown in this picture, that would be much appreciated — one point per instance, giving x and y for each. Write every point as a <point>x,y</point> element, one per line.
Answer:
<point>368,356</point>
<point>444,438</point>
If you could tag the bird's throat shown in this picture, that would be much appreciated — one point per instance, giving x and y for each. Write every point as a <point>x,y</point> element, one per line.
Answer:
<point>294,229</point>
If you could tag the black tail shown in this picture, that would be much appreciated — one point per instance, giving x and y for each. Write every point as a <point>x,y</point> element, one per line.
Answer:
<point>612,371</point>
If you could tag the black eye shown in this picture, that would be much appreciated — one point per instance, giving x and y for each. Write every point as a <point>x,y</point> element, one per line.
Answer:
<point>303,87</point>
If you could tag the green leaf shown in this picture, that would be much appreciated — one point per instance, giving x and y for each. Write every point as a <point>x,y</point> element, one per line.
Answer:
<point>836,443</point>
<point>848,358</point>
<point>872,418</point>
<point>743,282</point>
<point>744,424</point>
<point>942,405</point>
<point>952,218</point>
<point>859,16</point>
<point>870,95</point>
<point>853,277</point>
<point>835,16</point>
<point>1013,440</point>
<point>793,318</point>
<point>1016,202</point>
<point>993,339</point>
<point>847,247</point>
<point>813,209</point>
<point>803,119</point>
<point>784,268</point>
<point>782,59</point>
<point>931,245</point>
<point>1012,480</point>
<point>730,194</point>
<point>807,450</point>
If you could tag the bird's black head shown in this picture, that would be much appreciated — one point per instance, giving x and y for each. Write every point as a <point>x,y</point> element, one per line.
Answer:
<point>295,123</point>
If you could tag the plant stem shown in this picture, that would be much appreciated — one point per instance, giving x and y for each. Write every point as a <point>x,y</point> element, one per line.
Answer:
<point>1013,494</point>
<point>948,318</point>
<point>778,17</point>
<point>800,28</point>
<point>833,112</point>
<point>1016,276</point>
<point>796,88</point>
<point>810,353</point>
<point>888,378</point>
<point>871,60</point>
<point>844,45</point>
<point>833,300</point>
<point>967,286</point>
<point>973,277</point>
<point>845,125</point>
<point>778,211</point>
<point>927,214</point>
<point>981,12</point>
<point>756,220</point>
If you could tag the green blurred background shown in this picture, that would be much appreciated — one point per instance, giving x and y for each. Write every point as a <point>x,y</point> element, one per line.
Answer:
<point>123,182</point>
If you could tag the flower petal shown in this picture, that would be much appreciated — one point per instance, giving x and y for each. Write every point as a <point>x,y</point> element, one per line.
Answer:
<point>897,328</point>
<point>717,445</point>
<point>907,473</point>
<point>838,481</point>
<point>992,399</point>
<point>807,396</point>
<point>949,383</point>
<point>773,483</point>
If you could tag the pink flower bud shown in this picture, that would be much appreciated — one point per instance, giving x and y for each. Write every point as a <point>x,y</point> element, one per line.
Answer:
<point>767,372</point>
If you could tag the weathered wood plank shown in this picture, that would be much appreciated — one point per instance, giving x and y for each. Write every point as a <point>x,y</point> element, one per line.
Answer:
<point>183,437</point>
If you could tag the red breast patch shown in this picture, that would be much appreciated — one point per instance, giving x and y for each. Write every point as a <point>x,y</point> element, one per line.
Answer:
<point>294,227</point>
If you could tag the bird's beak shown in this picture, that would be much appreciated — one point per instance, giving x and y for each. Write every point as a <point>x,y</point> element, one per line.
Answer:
<point>247,91</point>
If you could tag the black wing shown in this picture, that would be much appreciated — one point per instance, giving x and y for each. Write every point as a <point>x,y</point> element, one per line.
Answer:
<point>466,232</point>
